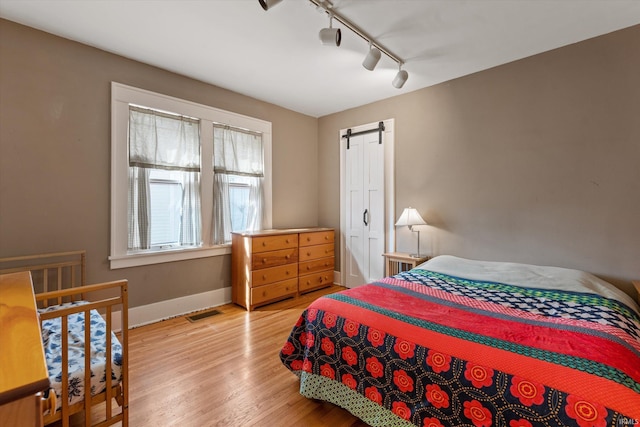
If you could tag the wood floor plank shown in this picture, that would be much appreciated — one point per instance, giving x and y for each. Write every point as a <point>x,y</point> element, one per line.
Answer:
<point>223,370</point>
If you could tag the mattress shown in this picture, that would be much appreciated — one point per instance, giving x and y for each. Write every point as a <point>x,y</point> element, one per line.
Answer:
<point>52,340</point>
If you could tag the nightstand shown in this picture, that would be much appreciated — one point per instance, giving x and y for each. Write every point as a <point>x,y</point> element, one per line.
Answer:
<point>636,284</point>
<point>397,262</point>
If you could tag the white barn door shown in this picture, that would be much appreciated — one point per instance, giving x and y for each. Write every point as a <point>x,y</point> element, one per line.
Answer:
<point>364,208</point>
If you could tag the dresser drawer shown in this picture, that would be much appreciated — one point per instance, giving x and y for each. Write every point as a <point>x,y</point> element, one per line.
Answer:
<point>308,253</point>
<point>273,243</point>
<point>315,266</point>
<point>273,274</point>
<point>274,258</point>
<point>273,291</point>
<point>313,281</point>
<point>316,238</point>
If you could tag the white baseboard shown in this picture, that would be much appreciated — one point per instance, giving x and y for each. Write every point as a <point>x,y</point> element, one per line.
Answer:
<point>151,313</point>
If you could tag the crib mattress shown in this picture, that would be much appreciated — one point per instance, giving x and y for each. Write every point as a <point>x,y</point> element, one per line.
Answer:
<point>52,340</point>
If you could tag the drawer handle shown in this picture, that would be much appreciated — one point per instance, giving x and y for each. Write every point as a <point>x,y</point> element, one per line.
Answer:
<point>326,237</point>
<point>308,267</point>
<point>264,243</point>
<point>308,239</point>
<point>326,264</point>
<point>320,279</point>
<point>287,272</point>
<point>264,277</point>
<point>288,241</point>
<point>326,251</point>
<point>308,253</point>
<point>264,260</point>
<point>287,256</point>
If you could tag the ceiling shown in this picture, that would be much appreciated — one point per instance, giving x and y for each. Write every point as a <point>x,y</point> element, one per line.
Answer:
<point>276,56</point>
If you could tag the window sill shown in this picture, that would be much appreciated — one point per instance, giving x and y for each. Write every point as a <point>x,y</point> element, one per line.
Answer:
<point>149,258</point>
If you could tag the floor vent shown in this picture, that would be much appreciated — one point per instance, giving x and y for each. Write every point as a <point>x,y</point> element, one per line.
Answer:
<point>203,315</point>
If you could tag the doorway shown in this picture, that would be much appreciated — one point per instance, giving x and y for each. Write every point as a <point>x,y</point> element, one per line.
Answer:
<point>366,201</point>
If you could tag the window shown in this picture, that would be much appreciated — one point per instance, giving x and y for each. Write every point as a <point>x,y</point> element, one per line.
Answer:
<point>239,192</point>
<point>164,180</point>
<point>184,176</point>
<point>166,209</point>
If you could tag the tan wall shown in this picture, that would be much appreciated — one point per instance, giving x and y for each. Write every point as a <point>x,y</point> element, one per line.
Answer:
<point>55,157</point>
<point>534,161</point>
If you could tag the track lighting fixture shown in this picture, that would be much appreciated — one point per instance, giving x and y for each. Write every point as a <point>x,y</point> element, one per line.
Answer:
<point>372,58</point>
<point>267,4</point>
<point>330,36</point>
<point>400,78</point>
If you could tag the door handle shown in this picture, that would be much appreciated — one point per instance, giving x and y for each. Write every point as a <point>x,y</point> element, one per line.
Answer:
<point>364,216</point>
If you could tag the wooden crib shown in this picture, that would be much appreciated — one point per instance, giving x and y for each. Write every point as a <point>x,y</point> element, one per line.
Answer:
<point>64,301</point>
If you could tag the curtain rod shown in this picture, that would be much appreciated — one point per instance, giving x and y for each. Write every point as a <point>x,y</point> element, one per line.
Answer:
<point>237,129</point>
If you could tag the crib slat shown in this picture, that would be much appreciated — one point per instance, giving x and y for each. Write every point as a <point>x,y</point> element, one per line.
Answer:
<point>65,372</point>
<point>83,266</point>
<point>108,362</point>
<point>124,293</point>
<point>87,368</point>
<point>45,284</point>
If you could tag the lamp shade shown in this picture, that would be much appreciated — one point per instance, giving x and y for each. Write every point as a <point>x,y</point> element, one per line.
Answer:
<point>410,217</point>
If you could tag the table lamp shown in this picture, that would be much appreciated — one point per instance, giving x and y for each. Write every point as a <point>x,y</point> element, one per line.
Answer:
<point>409,218</point>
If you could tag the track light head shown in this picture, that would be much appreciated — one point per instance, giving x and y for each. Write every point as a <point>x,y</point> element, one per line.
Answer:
<point>400,79</point>
<point>267,4</point>
<point>372,58</point>
<point>330,36</point>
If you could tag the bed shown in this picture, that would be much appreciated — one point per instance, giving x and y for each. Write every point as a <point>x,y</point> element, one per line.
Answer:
<point>87,365</point>
<point>457,342</point>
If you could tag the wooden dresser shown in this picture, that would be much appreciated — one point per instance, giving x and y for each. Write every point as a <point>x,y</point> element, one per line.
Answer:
<point>23,372</point>
<point>271,265</point>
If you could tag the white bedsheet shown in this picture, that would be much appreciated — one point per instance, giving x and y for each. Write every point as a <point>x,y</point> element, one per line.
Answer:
<point>533,276</point>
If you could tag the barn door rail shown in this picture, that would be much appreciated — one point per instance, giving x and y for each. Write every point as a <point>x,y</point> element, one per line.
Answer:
<point>378,129</point>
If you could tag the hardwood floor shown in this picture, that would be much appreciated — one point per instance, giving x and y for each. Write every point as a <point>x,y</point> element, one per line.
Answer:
<point>223,370</point>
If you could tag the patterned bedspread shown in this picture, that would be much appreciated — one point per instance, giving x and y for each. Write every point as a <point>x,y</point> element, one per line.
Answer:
<point>428,349</point>
<point>52,340</point>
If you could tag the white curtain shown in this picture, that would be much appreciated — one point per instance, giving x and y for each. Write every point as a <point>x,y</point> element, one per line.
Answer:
<point>256,205</point>
<point>162,141</point>
<point>221,209</point>
<point>236,152</point>
<point>139,209</point>
<point>190,232</point>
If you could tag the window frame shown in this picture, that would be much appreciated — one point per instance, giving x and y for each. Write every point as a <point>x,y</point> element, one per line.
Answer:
<point>121,97</point>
